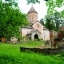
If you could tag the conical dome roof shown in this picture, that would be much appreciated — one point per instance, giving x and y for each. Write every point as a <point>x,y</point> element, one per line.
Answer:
<point>32,10</point>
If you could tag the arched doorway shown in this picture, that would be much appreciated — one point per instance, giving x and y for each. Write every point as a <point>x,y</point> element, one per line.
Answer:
<point>36,36</point>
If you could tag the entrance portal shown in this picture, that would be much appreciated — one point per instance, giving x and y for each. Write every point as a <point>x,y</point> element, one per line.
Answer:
<point>36,37</point>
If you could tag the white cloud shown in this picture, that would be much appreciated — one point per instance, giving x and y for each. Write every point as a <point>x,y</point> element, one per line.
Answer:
<point>40,8</point>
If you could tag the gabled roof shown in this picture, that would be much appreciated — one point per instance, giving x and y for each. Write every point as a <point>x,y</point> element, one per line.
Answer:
<point>44,28</point>
<point>32,10</point>
<point>34,31</point>
<point>28,27</point>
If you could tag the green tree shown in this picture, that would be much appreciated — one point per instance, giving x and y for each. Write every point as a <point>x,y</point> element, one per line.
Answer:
<point>49,22</point>
<point>57,20</point>
<point>52,4</point>
<point>11,19</point>
<point>42,21</point>
<point>32,1</point>
<point>62,15</point>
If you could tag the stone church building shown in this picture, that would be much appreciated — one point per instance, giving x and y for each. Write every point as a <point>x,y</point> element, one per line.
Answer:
<point>35,30</point>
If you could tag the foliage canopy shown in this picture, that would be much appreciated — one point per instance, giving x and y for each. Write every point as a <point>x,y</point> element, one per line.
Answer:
<point>11,19</point>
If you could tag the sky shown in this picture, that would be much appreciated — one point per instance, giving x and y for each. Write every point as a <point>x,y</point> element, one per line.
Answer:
<point>40,8</point>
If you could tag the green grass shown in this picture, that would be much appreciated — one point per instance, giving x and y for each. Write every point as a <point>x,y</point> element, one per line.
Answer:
<point>10,54</point>
<point>33,44</point>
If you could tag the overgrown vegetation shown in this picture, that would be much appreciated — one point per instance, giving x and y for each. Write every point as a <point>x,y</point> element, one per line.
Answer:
<point>10,54</point>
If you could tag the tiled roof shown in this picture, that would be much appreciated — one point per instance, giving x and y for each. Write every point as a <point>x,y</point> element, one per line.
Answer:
<point>32,10</point>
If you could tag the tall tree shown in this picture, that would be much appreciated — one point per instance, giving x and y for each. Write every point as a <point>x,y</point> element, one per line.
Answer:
<point>57,20</point>
<point>11,19</point>
<point>49,23</point>
<point>52,4</point>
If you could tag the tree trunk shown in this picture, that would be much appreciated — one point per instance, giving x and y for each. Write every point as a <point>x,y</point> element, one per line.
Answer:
<point>3,39</point>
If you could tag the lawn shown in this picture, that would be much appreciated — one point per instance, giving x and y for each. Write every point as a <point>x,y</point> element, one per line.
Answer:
<point>10,54</point>
<point>32,44</point>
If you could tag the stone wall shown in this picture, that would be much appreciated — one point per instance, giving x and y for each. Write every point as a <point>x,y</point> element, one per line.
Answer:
<point>43,51</point>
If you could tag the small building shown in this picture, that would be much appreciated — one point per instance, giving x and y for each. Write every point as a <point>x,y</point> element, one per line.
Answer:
<point>35,30</point>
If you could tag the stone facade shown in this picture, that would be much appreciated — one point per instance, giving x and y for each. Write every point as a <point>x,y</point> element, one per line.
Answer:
<point>35,29</point>
<point>34,34</point>
<point>32,15</point>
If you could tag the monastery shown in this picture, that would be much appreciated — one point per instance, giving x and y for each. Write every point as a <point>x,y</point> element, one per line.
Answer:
<point>35,30</point>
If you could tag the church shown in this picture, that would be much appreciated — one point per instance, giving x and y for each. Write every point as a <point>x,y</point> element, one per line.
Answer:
<point>35,30</point>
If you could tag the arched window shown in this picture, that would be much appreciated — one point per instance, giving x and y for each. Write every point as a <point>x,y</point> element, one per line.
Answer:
<point>32,18</point>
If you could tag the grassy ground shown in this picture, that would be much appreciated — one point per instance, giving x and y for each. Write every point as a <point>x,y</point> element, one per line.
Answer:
<point>33,44</point>
<point>10,54</point>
